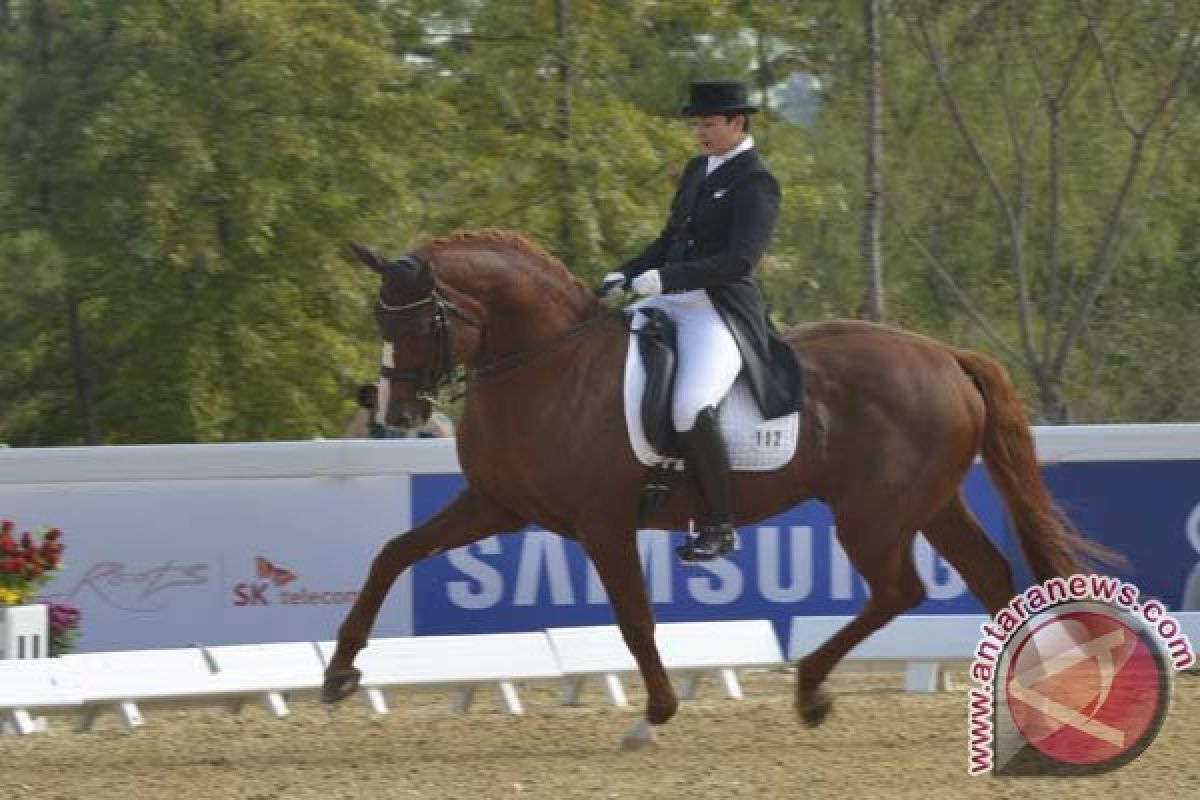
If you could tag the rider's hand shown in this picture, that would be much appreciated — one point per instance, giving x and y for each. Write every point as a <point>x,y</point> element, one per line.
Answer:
<point>613,282</point>
<point>648,283</point>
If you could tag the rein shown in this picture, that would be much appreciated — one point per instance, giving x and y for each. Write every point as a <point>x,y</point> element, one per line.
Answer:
<point>441,370</point>
<point>513,361</point>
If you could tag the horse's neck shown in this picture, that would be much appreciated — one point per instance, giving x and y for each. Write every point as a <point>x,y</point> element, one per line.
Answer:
<point>543,398</point>
<point>524,308</point>
<point>517,329</point>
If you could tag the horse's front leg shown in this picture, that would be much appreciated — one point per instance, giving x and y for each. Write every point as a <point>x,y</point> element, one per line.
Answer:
<point>616,560</point>
<point>469,518</point>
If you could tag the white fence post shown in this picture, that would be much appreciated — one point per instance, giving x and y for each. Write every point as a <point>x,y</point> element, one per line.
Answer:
<point>24,631</point>
<point>24,634</point>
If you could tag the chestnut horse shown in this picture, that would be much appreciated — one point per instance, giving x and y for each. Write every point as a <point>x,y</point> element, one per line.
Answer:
<point>892,422</point>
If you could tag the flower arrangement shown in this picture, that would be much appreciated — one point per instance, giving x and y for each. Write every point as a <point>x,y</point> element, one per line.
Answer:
<point>27,563</point>
<point>64,627</point>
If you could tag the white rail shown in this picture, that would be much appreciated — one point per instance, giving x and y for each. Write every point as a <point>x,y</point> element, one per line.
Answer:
<point>349,458</point>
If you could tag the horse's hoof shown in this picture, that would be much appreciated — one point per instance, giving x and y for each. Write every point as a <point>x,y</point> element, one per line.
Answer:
<point>814,713</point>
<point>340,685</point>
<point>639,737</point>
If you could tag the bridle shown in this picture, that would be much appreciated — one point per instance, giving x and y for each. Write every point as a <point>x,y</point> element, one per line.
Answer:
<point>440,370</point>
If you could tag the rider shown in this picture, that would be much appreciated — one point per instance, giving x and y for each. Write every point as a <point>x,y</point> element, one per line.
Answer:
<point>698,271</point>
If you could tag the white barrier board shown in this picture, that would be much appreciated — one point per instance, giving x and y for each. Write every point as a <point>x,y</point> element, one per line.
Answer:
<point>172,563</point>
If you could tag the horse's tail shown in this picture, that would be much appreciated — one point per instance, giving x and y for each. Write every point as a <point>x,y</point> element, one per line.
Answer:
<point>1049,541</point>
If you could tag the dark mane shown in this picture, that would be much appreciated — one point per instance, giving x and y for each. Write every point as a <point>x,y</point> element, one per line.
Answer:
<point>495,239</point>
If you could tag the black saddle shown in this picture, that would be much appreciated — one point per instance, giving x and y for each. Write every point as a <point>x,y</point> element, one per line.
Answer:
<point>657,342</point>
<point>656,346</point>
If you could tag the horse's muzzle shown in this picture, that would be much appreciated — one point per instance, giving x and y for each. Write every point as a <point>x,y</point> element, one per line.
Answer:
<point>403,413</point>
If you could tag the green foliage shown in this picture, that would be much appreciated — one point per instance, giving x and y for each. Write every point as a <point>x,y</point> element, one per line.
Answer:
<point>1028,144</point>
<point>180,181</point>
<point>190,201</point>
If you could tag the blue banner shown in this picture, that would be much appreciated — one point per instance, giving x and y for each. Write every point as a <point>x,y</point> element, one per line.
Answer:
<point>792,564</point>
<point>1148,511</point>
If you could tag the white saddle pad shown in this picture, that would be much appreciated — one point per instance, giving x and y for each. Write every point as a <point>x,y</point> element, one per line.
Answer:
<point>755,444</point>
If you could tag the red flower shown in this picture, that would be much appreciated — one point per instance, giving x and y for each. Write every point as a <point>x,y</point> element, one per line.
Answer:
<point>30,558</point>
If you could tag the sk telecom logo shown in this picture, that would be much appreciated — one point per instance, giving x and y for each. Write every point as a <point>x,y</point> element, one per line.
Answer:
<point>1075,679</point>
<point>271,588</point>
<point>255,593</point>
<point>276,575</point>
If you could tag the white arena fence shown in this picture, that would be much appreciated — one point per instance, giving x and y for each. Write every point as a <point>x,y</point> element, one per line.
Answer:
<point>84,686</point>
<point>126,682</point>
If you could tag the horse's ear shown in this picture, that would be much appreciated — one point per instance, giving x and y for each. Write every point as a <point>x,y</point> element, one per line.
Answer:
<point>369,257</point>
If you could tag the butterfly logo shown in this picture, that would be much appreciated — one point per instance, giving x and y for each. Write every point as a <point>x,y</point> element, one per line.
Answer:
<point>276,575</point>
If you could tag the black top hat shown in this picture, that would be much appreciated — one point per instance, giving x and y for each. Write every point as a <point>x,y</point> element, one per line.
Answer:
<point>706,98</point>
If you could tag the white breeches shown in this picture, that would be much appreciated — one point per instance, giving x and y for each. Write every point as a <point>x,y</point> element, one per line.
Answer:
<point>709,361</point>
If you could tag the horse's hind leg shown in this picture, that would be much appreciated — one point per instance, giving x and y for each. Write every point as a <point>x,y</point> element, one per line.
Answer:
<point>469,518</point>
<point>957,535</point>
<point>886,563</point>
<point>615,557</point>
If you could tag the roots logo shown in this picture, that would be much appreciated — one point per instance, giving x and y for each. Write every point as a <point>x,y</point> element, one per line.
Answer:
<point>140,588</point>
<point>1077,688</point>
<point>268,589</point>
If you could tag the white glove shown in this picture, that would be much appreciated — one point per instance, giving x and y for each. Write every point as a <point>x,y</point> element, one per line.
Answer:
<point>648,283</point>
<point>613,282</point>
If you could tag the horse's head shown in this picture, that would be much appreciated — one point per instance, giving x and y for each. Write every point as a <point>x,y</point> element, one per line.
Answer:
<point>426,334</point>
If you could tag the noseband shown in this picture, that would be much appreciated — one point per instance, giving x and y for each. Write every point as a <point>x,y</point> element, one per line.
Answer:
<point>439,371</point>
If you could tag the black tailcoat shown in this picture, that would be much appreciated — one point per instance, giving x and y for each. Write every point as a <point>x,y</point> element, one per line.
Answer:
<point>718,230</point>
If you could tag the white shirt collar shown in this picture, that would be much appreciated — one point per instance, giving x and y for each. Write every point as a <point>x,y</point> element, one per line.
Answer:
<point>716,161</point>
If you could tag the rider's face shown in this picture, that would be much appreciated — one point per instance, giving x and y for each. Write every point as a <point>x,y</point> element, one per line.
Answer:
<point>717,135</point>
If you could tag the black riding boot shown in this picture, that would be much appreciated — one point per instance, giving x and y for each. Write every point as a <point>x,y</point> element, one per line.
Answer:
<point>705,453</point>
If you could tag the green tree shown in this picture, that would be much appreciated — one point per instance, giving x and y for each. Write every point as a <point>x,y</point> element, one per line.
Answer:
<point>181,178</point>
<point>189,174</point>
<point>1065,116</point>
